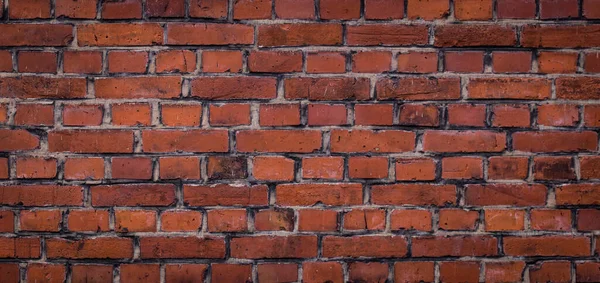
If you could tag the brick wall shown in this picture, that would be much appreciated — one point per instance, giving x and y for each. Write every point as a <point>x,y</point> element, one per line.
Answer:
<point>299,140</point>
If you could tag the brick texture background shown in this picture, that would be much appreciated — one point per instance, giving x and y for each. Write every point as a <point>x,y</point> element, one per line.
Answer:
<point>299,141</point>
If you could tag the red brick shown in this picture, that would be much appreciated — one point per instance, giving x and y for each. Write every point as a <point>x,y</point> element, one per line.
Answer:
<point>413,219</point>
<point>118,34</point>
<point>127,61</point>
<point>279,115</point>
<point>327,88</point>
<point>428,10</point>
<point>36,34</point>
<point>579,88</point>
<point>419,115</point>
<point>212,9</point>
<point>550,219</point>
<point>37,62</point>
<point>131,114</point>
<point>509,88</point>
<point>129,221</point>
<point>317,220</point>
<point>275,61</point>
<point>556,9</point>
<point>90,248</point>
<point>258,247</point>
<point>36,168</point>
<point>578,194</point>
<point>553,168</point>
<point>458,219</point>
<point>84,220</point>
<point>462,168</point>
<point>587,271</point>
<point>227,220</point>
<point>373,114</point>
<point>187,272</point>
<point>557,62</point>
<point>299,34</point>
<point>313,272</point>
<point>323,168</point>
<point>473,9</point>
<point>82,115</point>
<point>466,115</point>
<point>418,88</point>
<point>566,115</point>
<point>506,194</point>
<point>464,141</point>
<point>85,9</point>
<point>274,220</point>
<point>327,115</point>
<point>302,141</point>
<point>139,273</point>
<point>365,219</point>
<point>277,272</point>
<point>508,168</point>
<point>555,141</point>
<point>591,10</point>
<point>324,62</point>
<point>6,60</point>
<point>126,9</point>
<point>372,141</point>
<point>138,87</point>
<point>176,61</point>
<point>415,169</point>
<point>327,194</point>
<point>442,246</point>
<point>368,272</point>
<point>474,35</point>
<point>225,195</point>
<point>46,272</point>
<point>88,62</point>
<point>182,247</point>
<point>18,140</point>
<point>273,168</point>
<point>459,272</point>
<point>222,61</point>
<point>227,167</point>
<point>81,273</point>
<point>40,220</point>
<point>364,246</point>
<point>384,9</point>
<point>511,62</point>
<point>181,115</point>
<point>516,9</point>
<point>417,62</point>
<point>230,114</point>
<point>371,61</point>
<point>180,220</point>
<point>464,62</point>
<point>547,246</point>
<point>339,9</point>
<point>7,219</point>
<point>559,36</point>
<point>175,167</point>
<point>589,167</point>
<point>295,9</point>
<point>42,87</point>
<point>223,272</point>
<point>252,9</point>
<point>592,61</point>
<point>41,195</point>
<point>185,141</point>
<point>4,170</point>
<point>20,247</point>
<point>35,114</point>
<point>231,88</point>
<point>387,34</point>
<point>550,271</point>
<point>504,220</point>
<point>414,194</point>
<point>138,168</point>
<point>165,8</point>
<point>414,271</point>
<point>209,34</point>
<point>506,115</point>
<point>368,167</point>
<point>587,219</point>
<point>133,195</point>
<point>504,271</point>
<point>29,9</point>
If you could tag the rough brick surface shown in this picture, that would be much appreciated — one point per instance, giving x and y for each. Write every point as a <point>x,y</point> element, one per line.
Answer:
<point>299,141</point>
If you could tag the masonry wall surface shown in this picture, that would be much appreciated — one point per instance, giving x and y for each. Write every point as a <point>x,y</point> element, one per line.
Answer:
<point>299,141</point>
